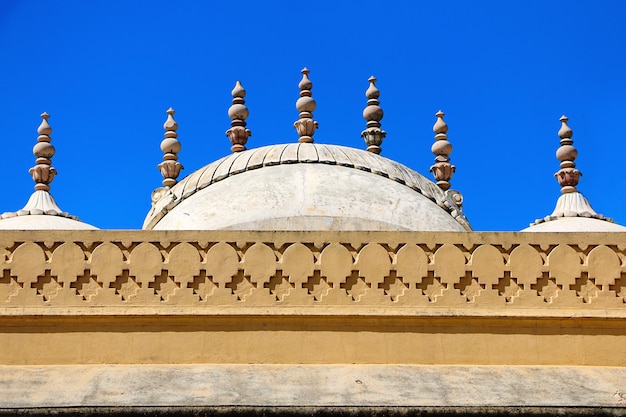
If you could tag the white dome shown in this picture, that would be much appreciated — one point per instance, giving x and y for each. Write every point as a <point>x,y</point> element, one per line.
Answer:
<point>41,213</point>
<point>576,224</point>
<point>573,213</point>
<point>306,186</point>
<point>43,222</point>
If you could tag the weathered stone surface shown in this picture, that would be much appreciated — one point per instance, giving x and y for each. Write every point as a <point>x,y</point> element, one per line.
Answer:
<point>311,386</point>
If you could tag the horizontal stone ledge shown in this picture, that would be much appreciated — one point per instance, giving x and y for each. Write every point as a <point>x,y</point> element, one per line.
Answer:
<point>340,312</point>
<point>363,390</point>
<point>165,236</point>
<point>298,411</point>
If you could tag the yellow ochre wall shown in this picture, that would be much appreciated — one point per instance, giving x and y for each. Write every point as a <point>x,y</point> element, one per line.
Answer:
<point>146,297</point>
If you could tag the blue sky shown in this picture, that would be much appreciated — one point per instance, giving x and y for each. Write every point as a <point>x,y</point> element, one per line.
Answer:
<point>503,71</point>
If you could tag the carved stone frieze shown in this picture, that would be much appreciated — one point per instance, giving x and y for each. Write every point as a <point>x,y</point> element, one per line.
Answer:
<point>499,273</point>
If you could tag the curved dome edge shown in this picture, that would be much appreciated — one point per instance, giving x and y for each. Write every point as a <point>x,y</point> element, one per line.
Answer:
<point>164,200</point>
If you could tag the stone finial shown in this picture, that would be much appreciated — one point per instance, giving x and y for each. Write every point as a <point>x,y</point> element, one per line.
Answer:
<point>43,173</point>
<point>238,112</point>
<point>170,167</point>
<point>442,169</point>
<point>571,203</point>
<point>373,134</point>
<point>306,104</point>
<point>568,175</point>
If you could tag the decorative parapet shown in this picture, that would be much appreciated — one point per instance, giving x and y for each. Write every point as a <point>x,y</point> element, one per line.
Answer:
<point>313,273</point>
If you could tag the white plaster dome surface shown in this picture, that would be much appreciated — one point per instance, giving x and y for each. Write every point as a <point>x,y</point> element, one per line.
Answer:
<point>41,212</point>
<point>43,222</point>
<point>576,224</point>
<point>573,213</point>
<point>306,186</point>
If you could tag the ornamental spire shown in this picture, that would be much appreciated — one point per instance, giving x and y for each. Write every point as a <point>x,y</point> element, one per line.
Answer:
<point>373,114</point>
<point>305,125</point>
<point>442,169</point>
<point>43,173</point>
<point>170,146</point>
<point>41,201</point>
<point>568,175</point>
<point>571,203</point>
<point>238,112</point>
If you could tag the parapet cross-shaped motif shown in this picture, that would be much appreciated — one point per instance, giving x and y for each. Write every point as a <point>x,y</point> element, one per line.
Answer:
<point>317,285</point>
<point>508,287</point>
<point>86,285</point>
<point>432,287</point>
<point>47,285</point>
<point>547,288</point>
<point>469,287</point>
<point>126,285</point>
<point>164,285</point>
<point>279,285</point>
<point>393,286</point>
<point>203,286</point>
<point>585,287</point>
<point>241,285</point>
<point>355,286</point>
